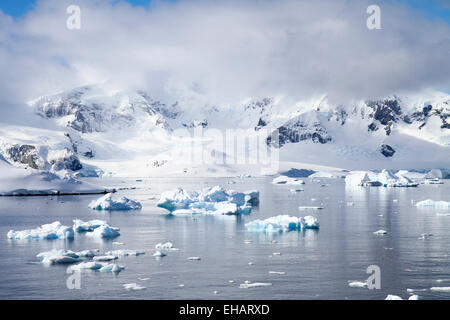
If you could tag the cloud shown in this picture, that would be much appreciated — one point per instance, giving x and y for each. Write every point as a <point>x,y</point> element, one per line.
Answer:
<point>222,51</point>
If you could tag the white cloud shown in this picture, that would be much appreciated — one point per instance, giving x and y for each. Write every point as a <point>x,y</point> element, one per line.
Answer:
<point>224,50</point>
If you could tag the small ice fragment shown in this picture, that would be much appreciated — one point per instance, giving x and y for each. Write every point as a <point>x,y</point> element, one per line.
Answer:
<point>276,253</point>
<point>277,272</point>
<point>250,263</point>
<point>350,204</point>
<point>181,285</point>
<point>194,258</point>
<point>216,292</point>
<point>248,241</point>
<point>143,279</point>
<point>433,204</point>
<point>415,290</point>
<point>159,254</point>
<point>393,297</point>
<point>231,281</point>
<point>395,200</point>
<point>111,267</point>
<point>133,286</point>
<point>81,226</point>
<point>414,297</point>
<point>440,289</point>
<point>117,243</point>
<point>85,266</point>
<point>424,236</point>
<point>248,284</point>
<point>380,232</point>
<point>105,258</point>
<point>56,256</point>
<point>125,253</point>
<point>357,284</point>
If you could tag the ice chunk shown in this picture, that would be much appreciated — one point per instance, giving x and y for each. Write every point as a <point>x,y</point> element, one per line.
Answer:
<point>164,246</point>
<point>53,230</point>
<point>81,226</point>
<point>282,223</point>
<point>385,178</point>
<point>107,202</point>
<point>159,254</point>
<point>433,204</point>
<point>177,199</point>
<point>215,194</point>
<point>104,231</point>
<point>277,272</point>
<point>309,222</point>
<point>133,286</point>
<point>194,258</point>
<point>380,232</point>
<point>393,297</point>
<point>56,256</point>
<point>440,289</point>
<point>111,267</point>
<point>357,284</point>
<point>105,258</point>
<point>124,253</point>
<point>414,297</point>
<point>287,180</point>
<point>90,265</point>
<point>86,253</point>
<point>248,284</point>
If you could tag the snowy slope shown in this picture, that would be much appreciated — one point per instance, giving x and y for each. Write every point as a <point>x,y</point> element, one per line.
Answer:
<point>130,133</point>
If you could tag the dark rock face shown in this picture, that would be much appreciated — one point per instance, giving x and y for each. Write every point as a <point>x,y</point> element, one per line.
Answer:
<point>295,131</point>
<point>387,150</point>
<point>372,127</point>
<point>298,173</point>
<point>261,123</point>
<point>26,154</point>
<point>69,162</point>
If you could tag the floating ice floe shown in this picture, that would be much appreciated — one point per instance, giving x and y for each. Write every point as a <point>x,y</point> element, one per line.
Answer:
<point>283,223</point>
<point>394,297</point>
<point>433,204</point>
<point>440,289</point>
<point>53,230</point>
<point>56,256</point>
<point>385,178</point>
<point>159,254</point>
<point>277,272</point>
<point>81,226</point>
<point>165,246</point>
<point>124,253</point>
<point>248,284</point>
<point>194,258</point>
<point>133,286</point>
<point>111,267</point>
<point>357,284</point>
<point>90,265</point>
<point>105,258</point>
<point>107,202</point>
<point>104,231</point>
<point>214,201</point>
<point>287,180</point>
<point>380,232</point>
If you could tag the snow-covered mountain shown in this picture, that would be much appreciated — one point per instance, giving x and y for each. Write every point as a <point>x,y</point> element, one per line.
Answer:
<point>97,130</point>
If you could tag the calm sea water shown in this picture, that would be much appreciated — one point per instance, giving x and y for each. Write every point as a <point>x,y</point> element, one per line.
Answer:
<point>317,264</point>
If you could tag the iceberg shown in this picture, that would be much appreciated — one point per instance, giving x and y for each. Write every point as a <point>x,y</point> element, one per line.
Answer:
<point>282,223</point>
<point>58,256</point>
<point>393,297</point>
<point>104,231</point>
<point>107,202</point>
<point>385,178</point>
<point>433,204</point>
<point>53,230</point>
<point>213,201</point>
<point>81,226</point>
<point>105,258</point>
<point>287,180</point>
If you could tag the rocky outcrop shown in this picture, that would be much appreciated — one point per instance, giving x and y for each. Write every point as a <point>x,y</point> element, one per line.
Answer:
<point>26,154</point>
<point>387,151</point>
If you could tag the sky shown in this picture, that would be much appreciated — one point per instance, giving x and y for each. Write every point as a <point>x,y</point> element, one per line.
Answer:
<point>223,51</point>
